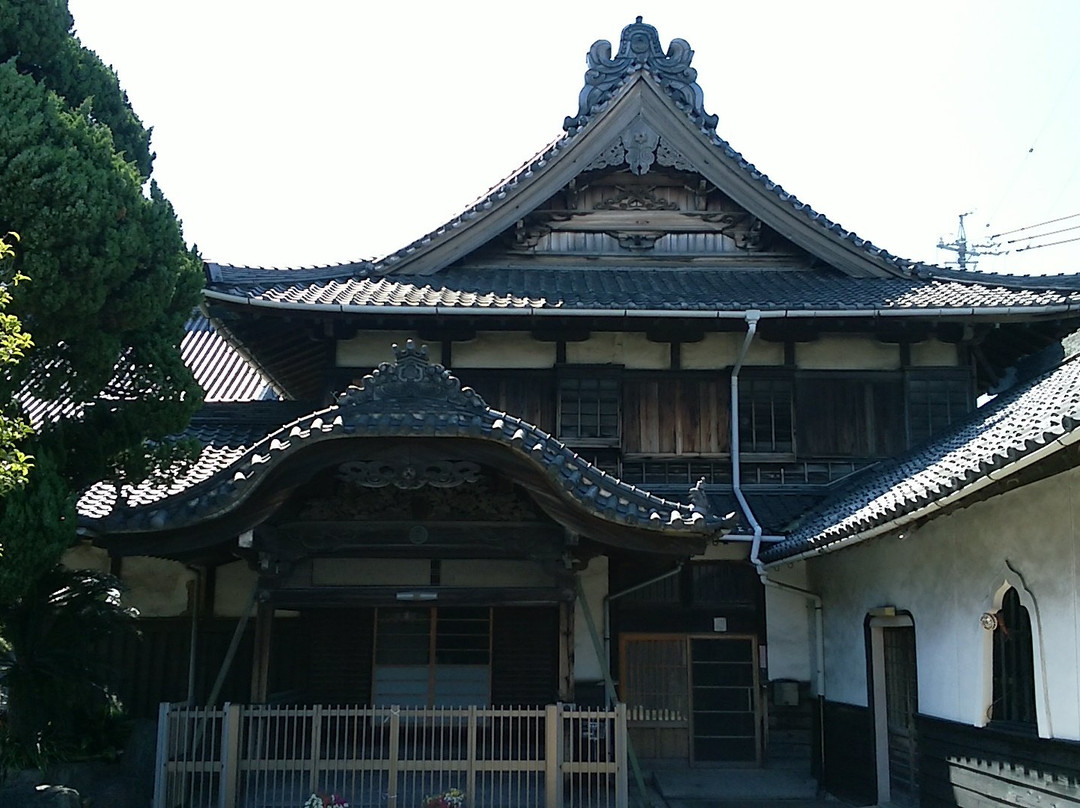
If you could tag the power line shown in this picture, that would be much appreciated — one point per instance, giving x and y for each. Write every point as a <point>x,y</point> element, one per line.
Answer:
<point>1051,244</point>
<point>1043,235</point>
<point>1037,224</point>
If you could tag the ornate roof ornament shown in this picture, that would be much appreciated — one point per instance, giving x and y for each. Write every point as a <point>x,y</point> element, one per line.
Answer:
<point>639,49</point>
<point>409,383</point>
<point>640,146</point>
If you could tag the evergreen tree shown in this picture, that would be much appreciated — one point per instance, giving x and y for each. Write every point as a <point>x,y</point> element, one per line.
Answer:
<point>111,280</point>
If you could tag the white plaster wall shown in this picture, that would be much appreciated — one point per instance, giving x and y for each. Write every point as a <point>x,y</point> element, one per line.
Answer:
<point>934,353</point>
<point>620,348</point>
<point>85,556</point>
<point>715,352</point>
<point>503,349</point>
<point>156,587</point>
<point>369,348</point>
<point>789,626</point>
<point>370,572</point>
<point>493,573</point>
<point>945,574</point>
<point>232,588</point>
<point>594,583</point>
<point>847,353</point>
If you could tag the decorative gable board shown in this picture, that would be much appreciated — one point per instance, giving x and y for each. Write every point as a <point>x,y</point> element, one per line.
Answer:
<point>671,176</point>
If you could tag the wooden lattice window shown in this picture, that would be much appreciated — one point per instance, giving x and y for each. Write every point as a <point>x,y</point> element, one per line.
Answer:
<point>589,410</point>
<point>432,656</point>
<point>1014,666</point>
<point>765,416</point>
<point>934,403</point>
<point>655,678</point>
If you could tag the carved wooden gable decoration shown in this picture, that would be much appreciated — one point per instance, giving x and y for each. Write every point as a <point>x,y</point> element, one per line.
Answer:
<point>640,175</point>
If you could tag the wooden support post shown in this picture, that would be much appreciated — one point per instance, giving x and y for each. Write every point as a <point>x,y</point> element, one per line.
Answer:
<point>553,754</point>
<point>161,758</point>
<point>470,771</point>
<point>260,663</point>
<point>230,756</point>
<point>316,747</point>
<point>234,644</point>
<point>566,652</point>
<point>392,772</point>
<point>622,780</point>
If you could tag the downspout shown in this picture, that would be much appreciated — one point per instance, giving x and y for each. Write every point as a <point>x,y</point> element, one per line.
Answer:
<point>752,318</point>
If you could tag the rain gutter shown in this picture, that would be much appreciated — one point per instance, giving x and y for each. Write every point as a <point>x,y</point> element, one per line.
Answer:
<point>702,314</point>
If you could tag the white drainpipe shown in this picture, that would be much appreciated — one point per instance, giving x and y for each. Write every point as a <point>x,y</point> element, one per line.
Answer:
<point>752,318</point>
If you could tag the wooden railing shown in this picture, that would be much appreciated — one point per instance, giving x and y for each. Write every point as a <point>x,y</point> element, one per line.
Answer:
<point>388,757</point>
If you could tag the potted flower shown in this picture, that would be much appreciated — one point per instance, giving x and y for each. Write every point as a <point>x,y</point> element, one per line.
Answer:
<point>454,798</point>
<point>318,800</point>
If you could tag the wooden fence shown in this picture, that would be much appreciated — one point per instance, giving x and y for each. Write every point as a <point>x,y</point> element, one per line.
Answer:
<point>388,757</point>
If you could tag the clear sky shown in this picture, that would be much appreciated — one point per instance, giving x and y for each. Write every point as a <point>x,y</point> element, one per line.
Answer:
<point>298,134</point>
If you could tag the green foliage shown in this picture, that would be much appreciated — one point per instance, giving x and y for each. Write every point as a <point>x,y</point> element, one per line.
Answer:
<point>14,342</point>
<point>113,280</point>
<point>52,664</point>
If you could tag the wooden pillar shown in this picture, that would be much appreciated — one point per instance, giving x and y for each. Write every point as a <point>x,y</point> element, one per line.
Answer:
<point>566,652</point>
<point>260,662</point>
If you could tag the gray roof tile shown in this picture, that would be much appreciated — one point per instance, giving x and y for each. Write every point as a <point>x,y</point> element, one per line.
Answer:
<point>630,288</point>
<point>384,405</point>
<point>1012,426</point>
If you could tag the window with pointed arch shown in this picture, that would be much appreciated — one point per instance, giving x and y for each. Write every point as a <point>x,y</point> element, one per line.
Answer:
<point>1013,702</point>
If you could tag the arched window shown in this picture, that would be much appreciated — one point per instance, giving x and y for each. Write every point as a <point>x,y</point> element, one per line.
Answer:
<point>1014,666</point>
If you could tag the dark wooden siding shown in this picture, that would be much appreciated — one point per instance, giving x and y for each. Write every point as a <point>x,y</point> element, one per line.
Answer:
<point>525,656</point>
<point>153,667</point>
<point>850,766</point>
<point>529,395</point>
<point>341,642</point>
<point>970,766</point>
<point>675,415</point>
<point>849,417</point>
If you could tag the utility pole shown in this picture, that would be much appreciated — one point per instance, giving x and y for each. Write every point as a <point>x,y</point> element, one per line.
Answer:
<point>967,255</point>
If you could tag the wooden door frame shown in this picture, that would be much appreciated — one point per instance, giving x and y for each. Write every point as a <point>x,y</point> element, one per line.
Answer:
<point>686,638</point>
<point>879,705</point>
<point>755,694</point>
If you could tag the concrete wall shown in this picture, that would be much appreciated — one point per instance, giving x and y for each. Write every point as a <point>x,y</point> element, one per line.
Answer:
<point>946,574</point>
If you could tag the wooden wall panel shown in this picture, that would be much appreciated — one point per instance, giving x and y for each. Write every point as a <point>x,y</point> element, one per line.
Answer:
<point>850,769</point>
<point>529,396</point>
<point>525,656</point>
<point>981,766</point>
<point>341,672</point>
<point>675,416</point>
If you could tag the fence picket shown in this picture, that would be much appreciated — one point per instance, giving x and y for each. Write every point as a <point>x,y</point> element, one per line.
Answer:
<point>262,755</point>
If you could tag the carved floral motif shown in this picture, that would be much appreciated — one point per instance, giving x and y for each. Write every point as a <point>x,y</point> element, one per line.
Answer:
<point>406,475</point>
<point>635,199</point>
<point>640,146</point>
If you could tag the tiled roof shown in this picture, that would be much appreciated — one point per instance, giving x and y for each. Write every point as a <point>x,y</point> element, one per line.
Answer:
<point>630,288</point>
<point>409,398</point>
<point>1012,427</point>
<point>225,431</point>
<point>384,283</point>
<point>222,373</point>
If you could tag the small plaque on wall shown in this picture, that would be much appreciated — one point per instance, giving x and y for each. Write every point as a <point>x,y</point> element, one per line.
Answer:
<point>719,624</point>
